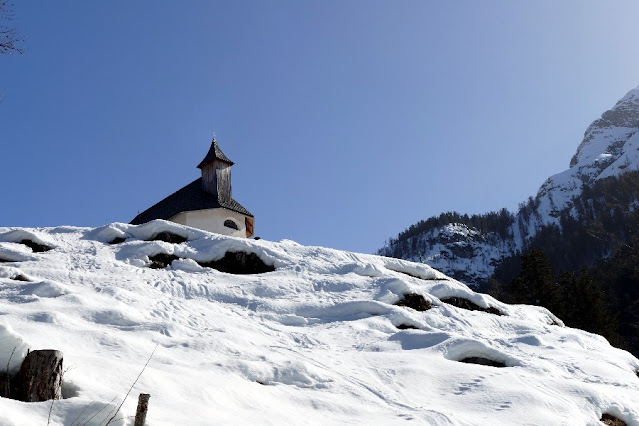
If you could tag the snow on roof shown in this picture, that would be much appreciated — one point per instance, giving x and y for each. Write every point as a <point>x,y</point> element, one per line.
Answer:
<point>317,341</point>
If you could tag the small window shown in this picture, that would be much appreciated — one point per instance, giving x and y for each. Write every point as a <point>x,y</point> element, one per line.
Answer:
<point>230,224</point>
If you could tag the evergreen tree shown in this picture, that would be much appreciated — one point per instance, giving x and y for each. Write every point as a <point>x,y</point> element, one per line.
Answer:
<point>584,306</point>
<point>620,278</point>
<point>535,284</point>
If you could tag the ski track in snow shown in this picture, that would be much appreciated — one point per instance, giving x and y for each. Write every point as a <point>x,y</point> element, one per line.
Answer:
<point>314,342</point>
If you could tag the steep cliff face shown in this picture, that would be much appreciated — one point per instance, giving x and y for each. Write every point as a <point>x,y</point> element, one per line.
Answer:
<point>470,253</point>
<point>610,147</point>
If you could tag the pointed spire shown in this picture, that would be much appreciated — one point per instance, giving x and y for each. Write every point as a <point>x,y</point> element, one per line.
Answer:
<point>215,153</point>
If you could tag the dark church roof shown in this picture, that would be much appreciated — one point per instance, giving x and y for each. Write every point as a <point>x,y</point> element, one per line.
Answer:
<point>191,197</point>
<point>215,153</point>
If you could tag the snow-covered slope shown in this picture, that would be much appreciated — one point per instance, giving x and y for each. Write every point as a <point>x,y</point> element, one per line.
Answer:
<point>316,341</point>
<point>610,147</point>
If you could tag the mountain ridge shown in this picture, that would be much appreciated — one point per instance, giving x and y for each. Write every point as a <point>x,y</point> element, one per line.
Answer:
<point>609,149</point>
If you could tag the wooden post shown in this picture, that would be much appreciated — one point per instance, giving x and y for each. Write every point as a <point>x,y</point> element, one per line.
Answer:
<point>40,376</point>
<point>143,405</point>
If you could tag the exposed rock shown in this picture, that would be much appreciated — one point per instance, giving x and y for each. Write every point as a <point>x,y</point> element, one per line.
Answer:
<point>117,240</point>
<point>36,247</point>
<point>462,249</point>
<point>468,305</point>
<point>169,237</point>
<point>20,277</point>
<point>610,420</point>
<point>407,327</point>
<point>415,301</point>
<point>414,275</point>
<point>482,361</point>
<point>240,263</point>
<point>161,260</point>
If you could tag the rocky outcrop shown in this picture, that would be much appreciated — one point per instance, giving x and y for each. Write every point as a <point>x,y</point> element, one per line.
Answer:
<point>470,252</point>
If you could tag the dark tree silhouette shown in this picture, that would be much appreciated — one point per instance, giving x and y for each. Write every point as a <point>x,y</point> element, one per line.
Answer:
<point>584,306</point>
<point>9,39</point>
<point>535,284</point>
<point>575,297</point>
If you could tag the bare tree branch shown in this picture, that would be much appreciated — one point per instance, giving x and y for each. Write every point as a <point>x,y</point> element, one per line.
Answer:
<point>9,39</point>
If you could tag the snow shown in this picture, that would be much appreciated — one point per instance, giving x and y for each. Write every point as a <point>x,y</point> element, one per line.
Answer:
<point>17,235</point>
<point>457,229</point>
<point>13,349</point>
<point>313,342</point>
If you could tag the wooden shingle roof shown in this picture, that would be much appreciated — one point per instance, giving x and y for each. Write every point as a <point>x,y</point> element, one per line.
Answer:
<point>215,153</point>
<point>191,197</point>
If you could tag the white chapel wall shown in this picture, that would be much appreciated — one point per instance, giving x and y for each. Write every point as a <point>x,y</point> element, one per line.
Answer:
<point>212,220</point>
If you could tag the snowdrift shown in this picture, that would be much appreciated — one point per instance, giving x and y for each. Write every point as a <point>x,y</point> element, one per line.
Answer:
<point>318,339</point>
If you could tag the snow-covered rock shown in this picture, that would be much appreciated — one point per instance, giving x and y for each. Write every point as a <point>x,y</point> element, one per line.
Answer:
<point>472,254</point>
<point>610,147</point>
<point>317,341</point>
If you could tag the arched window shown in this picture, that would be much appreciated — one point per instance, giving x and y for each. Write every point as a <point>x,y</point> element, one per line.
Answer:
<point>230,224</point>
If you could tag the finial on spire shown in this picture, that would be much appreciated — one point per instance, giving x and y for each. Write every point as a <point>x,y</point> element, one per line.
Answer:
<point>215,153</point>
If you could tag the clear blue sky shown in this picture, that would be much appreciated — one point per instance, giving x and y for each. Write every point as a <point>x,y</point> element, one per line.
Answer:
<point>347,120</point>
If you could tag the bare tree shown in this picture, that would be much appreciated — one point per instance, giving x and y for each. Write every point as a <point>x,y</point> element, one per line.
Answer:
<point>9,38</point>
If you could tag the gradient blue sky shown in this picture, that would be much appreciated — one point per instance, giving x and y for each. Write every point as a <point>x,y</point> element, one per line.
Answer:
<point>347,120</point>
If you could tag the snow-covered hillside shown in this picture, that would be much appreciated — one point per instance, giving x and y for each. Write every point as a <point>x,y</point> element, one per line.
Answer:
<point>610,147</point>
<point>319,340</point>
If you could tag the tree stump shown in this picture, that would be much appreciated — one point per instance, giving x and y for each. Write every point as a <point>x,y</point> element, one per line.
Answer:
<point>40,376</point>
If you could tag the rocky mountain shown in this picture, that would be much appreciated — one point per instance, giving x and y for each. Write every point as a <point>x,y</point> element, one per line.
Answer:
<point>469,248</point>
